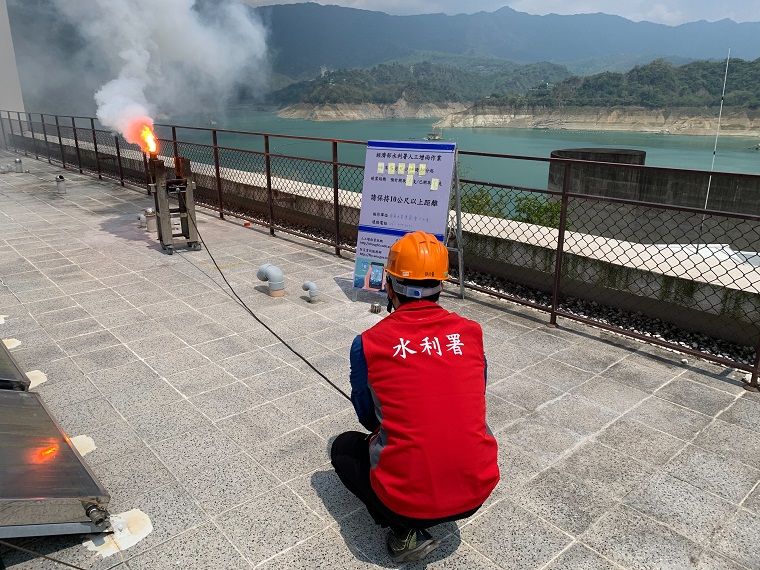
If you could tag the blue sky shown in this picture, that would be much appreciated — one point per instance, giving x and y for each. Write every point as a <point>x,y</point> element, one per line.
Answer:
<point>664,11</point>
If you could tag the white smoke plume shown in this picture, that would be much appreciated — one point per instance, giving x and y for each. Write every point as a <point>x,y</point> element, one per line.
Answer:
<point>169,56</point>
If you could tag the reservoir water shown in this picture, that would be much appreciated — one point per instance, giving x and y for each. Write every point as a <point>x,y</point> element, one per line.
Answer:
<point>735,154</point>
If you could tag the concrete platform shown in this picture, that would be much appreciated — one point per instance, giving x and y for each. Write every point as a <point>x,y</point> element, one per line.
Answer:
<point>613,453</point>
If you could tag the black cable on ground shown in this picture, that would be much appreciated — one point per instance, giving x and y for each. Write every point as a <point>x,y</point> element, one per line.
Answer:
<point>38,555</point>
<point>250,312</point>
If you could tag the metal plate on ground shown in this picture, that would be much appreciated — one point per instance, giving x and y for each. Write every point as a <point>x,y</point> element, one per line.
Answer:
<point>11,377</point>
<point>43,480</point>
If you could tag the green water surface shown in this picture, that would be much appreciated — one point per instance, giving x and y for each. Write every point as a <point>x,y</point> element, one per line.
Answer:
<point>735,154</point>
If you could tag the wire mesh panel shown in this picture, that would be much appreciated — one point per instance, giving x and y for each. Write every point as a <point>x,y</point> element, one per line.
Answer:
<point>303,195</point>
<point>202,167</point>
<point>350,181</point>
<point>509,239</point>
<point>132,162</point>
<point>689,277</point>
<point>86,148</point>
<point>107,156</point>
<point>243,182</point>
<point>7,130</point>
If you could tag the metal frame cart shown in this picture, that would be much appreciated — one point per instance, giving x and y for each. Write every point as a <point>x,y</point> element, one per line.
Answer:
<point>180,217</point>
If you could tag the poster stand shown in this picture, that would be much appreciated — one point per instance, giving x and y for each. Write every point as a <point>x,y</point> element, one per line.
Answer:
<point>407,187</point>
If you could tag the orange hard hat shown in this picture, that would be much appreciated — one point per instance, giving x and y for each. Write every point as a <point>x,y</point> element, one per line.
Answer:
<point>418,256</point>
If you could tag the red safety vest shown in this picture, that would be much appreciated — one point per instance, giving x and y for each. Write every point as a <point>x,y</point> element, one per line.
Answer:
<point>434,456</point>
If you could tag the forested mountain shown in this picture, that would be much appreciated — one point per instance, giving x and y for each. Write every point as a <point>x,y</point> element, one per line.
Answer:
<point>423,82</point>
<point>58,72</point>
<point>656,85</point>
<point>305,37</point>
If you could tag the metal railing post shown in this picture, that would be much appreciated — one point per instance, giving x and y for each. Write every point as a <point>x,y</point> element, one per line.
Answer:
<point>95,146</point>
<point>560,244</point>
<point>44,134</point>
<point>174,143</point>
<point>753,385</point>
<point>2,126</point>
<point>13,135</point>
<point>148,181</point>
<point>217,171</point>
<point>34,138</point>
<point>270,196</point>
<point>76,143</point>
<point>336,196</point>
<point>60,141</point>
<point>118,158</point>
<point>21,130</point>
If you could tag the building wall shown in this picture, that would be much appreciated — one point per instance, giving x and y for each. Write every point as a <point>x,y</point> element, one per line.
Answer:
<point>736,193</point>
<point>10,86</point>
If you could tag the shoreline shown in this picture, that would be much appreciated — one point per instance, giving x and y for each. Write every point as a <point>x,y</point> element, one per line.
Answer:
<point>735,123</point>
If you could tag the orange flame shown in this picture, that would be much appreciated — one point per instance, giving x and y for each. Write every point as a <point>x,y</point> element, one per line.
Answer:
<point>149,139</point>
<point>140,131</point>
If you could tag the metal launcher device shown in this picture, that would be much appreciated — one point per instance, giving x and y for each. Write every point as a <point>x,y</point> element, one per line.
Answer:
<point>175,204</point>
<point>46,488</point>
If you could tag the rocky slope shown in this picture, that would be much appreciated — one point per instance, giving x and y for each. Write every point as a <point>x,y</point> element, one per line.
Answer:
<point>349,112</point>
<point>670,121</point>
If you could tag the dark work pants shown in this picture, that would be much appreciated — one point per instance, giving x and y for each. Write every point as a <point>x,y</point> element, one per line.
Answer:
<point>350,458</point>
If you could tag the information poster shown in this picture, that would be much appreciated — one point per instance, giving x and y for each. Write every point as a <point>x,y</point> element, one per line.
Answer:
<point>407,187</point>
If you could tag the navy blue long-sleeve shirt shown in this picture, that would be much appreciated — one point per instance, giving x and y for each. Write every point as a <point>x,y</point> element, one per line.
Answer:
<point>361,396</point>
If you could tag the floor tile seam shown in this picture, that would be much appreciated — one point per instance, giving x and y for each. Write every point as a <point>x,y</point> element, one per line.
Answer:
<point>513,372</point>
<point>557,467</point>
<point>736,397</point>
<point>676,404</point>
<point>308,507</point>
<point>85,333</point>
<point>325,530</point>
<point>549,524</point>
<point>739,397</point>
<point>684,371</point>
<point>577,541</point>
<point>643,461</point>
<point>76,305</point>
<point>659,472</point>
<point>590,439</point>
<point>164,542</point>
<point>756,487</point>
<point>186,397</point>
<point>247,452</point>
<point>227,508</point>
<point>88,351</point>
<point>200,410</point>
<point>703,547</point>
<point>592,436</point>
<point>330,520</point>
<point>714,535</point>
<point>713,420</point>
<point>475,549</point>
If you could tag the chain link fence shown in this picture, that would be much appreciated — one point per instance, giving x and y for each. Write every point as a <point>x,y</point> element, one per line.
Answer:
<point>664,255</point>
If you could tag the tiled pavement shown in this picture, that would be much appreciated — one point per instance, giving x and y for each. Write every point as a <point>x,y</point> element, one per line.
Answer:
<point>613,454</point>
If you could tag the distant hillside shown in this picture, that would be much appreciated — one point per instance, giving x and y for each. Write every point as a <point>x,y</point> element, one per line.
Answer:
<point>59,74</point>
<point>305,37</point>
<point>656,85</point>
<point>423,82</point>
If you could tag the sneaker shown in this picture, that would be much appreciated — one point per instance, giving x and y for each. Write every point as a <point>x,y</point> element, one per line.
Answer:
<point>415,546</point>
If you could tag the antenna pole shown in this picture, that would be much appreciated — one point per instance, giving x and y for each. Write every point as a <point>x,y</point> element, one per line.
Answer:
<point>717,136</point>
<point>720,117</point>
